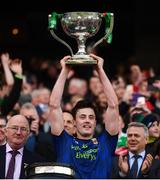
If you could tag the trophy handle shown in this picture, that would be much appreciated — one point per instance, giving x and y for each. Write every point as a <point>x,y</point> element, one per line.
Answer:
<point>109,20</point>
<point>52,18</point>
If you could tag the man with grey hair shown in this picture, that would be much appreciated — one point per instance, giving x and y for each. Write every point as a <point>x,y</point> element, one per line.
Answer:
<point>14,157</point>
<point>29,111</point>
<point>136,163</point>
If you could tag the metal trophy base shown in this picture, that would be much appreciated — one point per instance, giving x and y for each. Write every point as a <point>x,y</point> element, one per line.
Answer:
<point>81,60</point>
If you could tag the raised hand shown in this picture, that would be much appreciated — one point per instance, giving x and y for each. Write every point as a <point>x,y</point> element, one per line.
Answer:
<point>100,61</point>
<point>7,71</point>
<point>16,66</point>
<point>63,62</point>
<point>5,59</point>
<point>35,126</point>
<point>68,68</point>
<point>123,164</point>
<point>147,164</point>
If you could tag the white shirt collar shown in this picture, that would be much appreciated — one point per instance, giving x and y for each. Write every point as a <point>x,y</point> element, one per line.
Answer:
<point>142,154</point>
<point>8,148</point>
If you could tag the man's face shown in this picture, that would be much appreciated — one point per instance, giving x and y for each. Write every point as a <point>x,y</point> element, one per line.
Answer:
<point>95,85</point>
<point>2,130</point>
<point>69,124</point>
<point>17,131</point>
<point>154,130</point>
<point>85,123</point>
<point>44,96</point>
<point>136,139</point>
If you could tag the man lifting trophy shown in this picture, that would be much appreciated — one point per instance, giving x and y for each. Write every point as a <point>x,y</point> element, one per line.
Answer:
<point>81,26</point>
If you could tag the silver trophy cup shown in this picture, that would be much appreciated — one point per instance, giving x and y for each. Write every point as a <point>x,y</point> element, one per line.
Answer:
<point>81,26</point>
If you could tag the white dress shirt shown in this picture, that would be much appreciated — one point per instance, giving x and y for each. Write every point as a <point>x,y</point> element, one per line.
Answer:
<point>18,161</point>
<point>131,161</point>
<point>140,159</point>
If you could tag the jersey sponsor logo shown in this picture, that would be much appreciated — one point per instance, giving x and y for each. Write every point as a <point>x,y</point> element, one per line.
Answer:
<point>83,152</point>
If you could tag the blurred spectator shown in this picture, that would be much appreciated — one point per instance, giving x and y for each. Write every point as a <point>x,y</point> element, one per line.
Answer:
<point>46,71</point>
<point>119,86</point>
<point>143,89</point>
<point>74,99</point>
<point>44,94</point>
<point>102,101</point>
<point>152,122</point>
<point>139,110</point>
<point>136,75</point>
<point>95,86</point>
<point>29,111</point>
<point>43,112</point>
<point>9,99</point>
<point>69,123</point>
<point>3,122</point>
<point>24,98</point>
<point>77,89</point>
<point>38,141</point>
<point>77,86</point>
<point>35,97</point>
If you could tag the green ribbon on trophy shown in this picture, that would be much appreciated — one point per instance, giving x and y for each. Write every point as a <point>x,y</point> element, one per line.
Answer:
<point>53,20</point>
<point>81,26</point>
<point>109,22</point>
<point>107,18</point>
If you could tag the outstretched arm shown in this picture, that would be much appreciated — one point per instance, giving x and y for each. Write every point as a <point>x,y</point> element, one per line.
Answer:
<point>10,100</point>
<point>7,72</point>
<point>111,115</point>
<point>56,117</point>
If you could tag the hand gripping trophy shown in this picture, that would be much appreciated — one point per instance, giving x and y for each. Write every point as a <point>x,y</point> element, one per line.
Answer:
<point>81,26</point>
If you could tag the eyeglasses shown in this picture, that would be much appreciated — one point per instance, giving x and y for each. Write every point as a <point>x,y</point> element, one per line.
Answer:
<point>16,128</point>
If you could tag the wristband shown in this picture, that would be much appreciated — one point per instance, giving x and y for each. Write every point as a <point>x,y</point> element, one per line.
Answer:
<point>19,76</point>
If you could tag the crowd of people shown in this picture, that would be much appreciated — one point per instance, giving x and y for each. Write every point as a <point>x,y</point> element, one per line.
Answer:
<point>103,128</point>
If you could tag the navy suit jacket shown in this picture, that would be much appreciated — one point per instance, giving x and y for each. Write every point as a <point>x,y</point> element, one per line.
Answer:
<point>27,159</point>
<point>153,173</point>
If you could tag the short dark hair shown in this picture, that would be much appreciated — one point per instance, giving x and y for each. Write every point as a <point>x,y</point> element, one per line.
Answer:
<point>83,104</point>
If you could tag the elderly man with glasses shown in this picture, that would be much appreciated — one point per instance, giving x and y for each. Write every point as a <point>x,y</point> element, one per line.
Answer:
<point>14,157</point>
